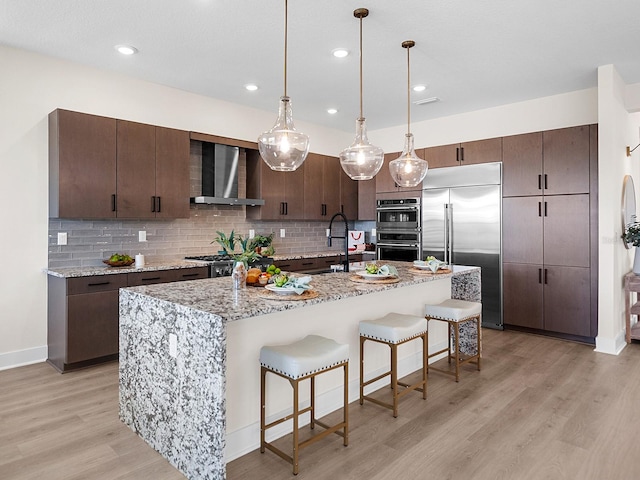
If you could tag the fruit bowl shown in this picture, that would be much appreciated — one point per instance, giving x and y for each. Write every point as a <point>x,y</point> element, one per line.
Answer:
<point>120,263</point>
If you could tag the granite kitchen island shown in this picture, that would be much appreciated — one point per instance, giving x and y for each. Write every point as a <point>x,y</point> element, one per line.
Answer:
<point>189,370</point>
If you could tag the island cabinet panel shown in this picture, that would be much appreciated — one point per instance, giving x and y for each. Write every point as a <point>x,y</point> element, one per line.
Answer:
<point>82,165</point>
<point>467,153</point>
<point>107,168</point>
<point>82,315</point>
<point>282,192</point>
<point>321,187</point>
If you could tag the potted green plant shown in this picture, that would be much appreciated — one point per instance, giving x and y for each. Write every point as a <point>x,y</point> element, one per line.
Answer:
<point>261,241</point>
<point>632,236</point>
<point>228,243</point>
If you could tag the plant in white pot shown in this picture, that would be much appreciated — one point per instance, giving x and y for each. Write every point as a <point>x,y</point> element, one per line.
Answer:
<point>632,237</point>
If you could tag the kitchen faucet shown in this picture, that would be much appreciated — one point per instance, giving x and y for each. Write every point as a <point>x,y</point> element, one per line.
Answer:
<point>346,237</point>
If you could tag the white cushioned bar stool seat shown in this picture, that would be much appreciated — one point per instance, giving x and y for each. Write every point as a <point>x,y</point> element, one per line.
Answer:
<point>461,350</point>
<point>394,329</point>
<point>298,361</point>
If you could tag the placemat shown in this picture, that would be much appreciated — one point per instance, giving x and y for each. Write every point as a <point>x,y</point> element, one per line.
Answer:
<point>269,295</point>
<point>421,271</point>
<point>381,281</point>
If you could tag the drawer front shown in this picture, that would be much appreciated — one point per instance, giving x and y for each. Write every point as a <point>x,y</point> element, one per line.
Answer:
<point>96,283</point>
<point>327,261</point>
<point>195,273</point>
<point>150,278</point>
<point>292,265</point>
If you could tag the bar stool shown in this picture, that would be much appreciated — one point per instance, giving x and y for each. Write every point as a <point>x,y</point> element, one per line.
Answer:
<point>301,360</point>
<point>457,313</point>
<point>394,329</point>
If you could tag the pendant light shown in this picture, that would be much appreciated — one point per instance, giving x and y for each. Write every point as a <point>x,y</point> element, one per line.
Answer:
<point>361,161</point>
<point>408,170</point>
<point>283,148</point>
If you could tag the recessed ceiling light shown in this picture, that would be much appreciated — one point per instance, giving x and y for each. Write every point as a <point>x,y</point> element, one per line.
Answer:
<point>251,87</point>
<point>340,52</point>
<point>419,88</point>
<point>126,49</point>
<point>332,111</point>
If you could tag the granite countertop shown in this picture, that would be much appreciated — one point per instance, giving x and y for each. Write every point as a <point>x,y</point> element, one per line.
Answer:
<point>217,296</point>
<point>70,272</point>
<point>328,253</point>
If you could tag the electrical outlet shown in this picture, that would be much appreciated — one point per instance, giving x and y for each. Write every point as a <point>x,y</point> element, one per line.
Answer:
<point>373,233</point>
<point>327,232</point>
<point>252,233</point>
<point>142,236</point>
<point>282,233</point>
<point>173,345</point>
<point>62,238</point>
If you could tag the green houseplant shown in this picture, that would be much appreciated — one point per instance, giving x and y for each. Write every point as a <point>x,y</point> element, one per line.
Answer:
<point>632,236</point>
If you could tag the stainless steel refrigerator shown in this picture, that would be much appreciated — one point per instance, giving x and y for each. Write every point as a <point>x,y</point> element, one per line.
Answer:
<point>461,225</point>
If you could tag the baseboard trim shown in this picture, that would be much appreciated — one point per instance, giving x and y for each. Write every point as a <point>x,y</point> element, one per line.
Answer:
<point>612,346</point>
<point>20,358</point>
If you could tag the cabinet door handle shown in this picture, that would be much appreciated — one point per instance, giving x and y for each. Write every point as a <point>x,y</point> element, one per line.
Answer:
<point>545,181</point>
<point>113,202</point>
<point>148,279</point>
<point>153,204</point>
<point>158,204</point>
<point>462,154</point>
<point>539,182</point>
<point>307,263</point>
<point>457,154</point>
<point>185,275</point>
<point>341,208</point>
<point>286,208</point>
<point>545,276</point>
<point>98,284</point>
<point>545,209</point>
<point>539,209</point>
<point>281,208</point>
<point>540,275</point>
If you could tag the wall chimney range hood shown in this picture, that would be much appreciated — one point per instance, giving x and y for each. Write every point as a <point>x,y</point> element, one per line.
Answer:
<point>220,177</point>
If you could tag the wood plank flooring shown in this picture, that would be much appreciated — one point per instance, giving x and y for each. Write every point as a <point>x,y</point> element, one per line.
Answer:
<point>541,408</point>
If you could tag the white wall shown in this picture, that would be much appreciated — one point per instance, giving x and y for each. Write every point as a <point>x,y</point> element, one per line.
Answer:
<point>31,86</point>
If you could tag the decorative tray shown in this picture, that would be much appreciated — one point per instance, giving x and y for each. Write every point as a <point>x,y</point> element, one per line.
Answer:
<point>422,271</point>
<point>119,264</point>
<point>269,295</point>
<point>379,281</point>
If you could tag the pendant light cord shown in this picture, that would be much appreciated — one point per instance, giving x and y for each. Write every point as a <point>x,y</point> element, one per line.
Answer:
<point>408,95</point>
<point>361,115</point>
<point>286,22</point>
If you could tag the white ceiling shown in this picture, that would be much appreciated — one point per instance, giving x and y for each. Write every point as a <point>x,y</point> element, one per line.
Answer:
<point>472,54</point>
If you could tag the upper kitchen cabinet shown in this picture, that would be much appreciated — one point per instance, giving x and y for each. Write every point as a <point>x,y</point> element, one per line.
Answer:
<point>82,165</point>
<point>283,192</point>
<point>107,168</point>
<point>351,203</point>
<point>321,187</point>
<point>467,153</point>
<point>548,163</point>
<point>385,184</point>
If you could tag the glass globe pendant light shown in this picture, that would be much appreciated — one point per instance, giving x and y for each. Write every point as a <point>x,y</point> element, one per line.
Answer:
<point>283,148</point>
<point>361,161</point>
<point>408,170</point>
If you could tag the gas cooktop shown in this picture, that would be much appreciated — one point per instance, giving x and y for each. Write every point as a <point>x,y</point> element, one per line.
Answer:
<point>211,258</point>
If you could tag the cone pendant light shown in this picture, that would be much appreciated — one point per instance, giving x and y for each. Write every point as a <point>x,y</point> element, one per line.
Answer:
<point>361,161</point>
<point>408,170</point>
<point>283,148</point>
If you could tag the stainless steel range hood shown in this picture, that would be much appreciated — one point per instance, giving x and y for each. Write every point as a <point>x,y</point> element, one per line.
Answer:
<point>220,177</point>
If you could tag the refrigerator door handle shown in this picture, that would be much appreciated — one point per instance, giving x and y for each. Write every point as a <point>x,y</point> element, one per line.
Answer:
<point>445,243</point>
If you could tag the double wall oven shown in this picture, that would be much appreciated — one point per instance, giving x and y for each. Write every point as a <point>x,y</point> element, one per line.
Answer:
<point>399,229</point>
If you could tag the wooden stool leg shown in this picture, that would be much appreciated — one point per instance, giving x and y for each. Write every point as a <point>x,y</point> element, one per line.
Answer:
<point>394,377</point>
<point>263,374</point>
<point>456,330</point>
<point>362,340</point>
<point>425,362</point>
<point>345,405</point>
<point>478,332</point>
<point>312,420</point>
<point>296,442</point>
<point>449,340</point>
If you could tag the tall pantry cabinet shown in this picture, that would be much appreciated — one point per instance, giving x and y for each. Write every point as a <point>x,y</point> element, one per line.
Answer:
<point>550,231</point>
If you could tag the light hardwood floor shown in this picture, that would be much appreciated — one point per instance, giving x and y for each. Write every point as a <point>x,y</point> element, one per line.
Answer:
<point>540,408</point>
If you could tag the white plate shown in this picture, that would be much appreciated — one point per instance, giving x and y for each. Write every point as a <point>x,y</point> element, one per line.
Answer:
<point>365,274</point>
<point>280,290</point>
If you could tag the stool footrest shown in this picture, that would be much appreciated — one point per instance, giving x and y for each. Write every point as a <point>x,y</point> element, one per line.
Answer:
<point>288,417</point>
<point>369,382</point>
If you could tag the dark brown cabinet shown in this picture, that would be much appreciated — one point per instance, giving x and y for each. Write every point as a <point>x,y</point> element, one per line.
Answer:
<point>467,153</point>
<point>547,163</point>
<point>549,231</point>
<point>108,168</point>
<point>366,199</point>
<point>321,187</point>
<point>350,196</point>
<point>82,314</point>
<point>314,263</point>
<point>82,165</point>
<point>283,192</point>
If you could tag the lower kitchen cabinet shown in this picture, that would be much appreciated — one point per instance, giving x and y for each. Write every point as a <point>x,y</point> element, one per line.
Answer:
<point>555,299</point>
<point>82,314</point>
